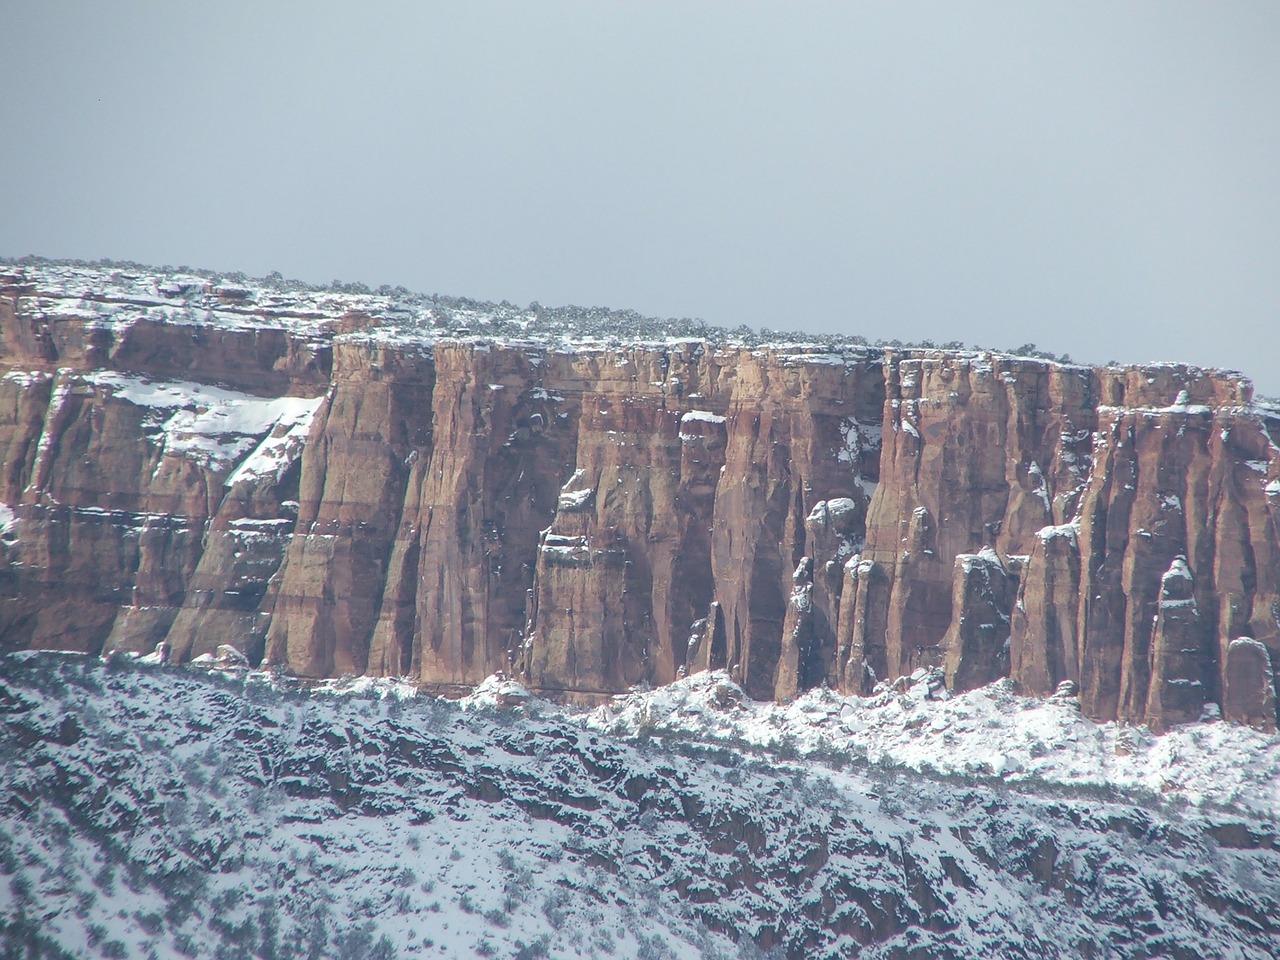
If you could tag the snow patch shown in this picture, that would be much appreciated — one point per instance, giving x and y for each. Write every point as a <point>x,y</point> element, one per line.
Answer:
<point>702,416</point>
<point>990,730</point>
<point>969,562</point>
<point>834,511</point>
<point>216,426</point>
<point>1067,531</point>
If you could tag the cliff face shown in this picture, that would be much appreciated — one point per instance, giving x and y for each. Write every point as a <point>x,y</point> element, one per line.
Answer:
<point>334,488</point>
<point>1135,512</point>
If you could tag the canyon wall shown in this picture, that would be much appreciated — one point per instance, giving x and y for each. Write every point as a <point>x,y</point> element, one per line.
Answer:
<point>332,490</point>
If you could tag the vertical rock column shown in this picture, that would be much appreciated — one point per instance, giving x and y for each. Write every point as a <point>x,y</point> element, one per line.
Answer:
<point>1245,498</point>
<point>861,657</point>
<point>623,570</point>
<point>351,490</point>
<point>1044,641</point>
<point>686,511</point>
<point>688,587</point>
<point>789,448</point>
<point>797,633</point>
<point>1146,504</point>
<point>975,649</point>
<point>1181,663</point>
<point>834,532</point>
<point>1249,689</point>
<point>481,488</point>
<point>979,452</point>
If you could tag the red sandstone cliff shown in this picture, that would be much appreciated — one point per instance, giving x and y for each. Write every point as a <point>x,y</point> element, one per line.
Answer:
<point>312,481</point>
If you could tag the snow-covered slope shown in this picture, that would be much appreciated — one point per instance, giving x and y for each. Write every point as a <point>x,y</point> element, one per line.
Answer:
<point>988,733</point>
<point>148,811</point>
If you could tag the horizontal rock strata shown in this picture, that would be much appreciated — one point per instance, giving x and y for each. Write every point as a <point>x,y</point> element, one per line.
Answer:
<point>335,489</point>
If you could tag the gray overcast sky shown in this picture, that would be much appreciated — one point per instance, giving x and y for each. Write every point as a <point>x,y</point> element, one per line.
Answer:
<point>1098,178</point>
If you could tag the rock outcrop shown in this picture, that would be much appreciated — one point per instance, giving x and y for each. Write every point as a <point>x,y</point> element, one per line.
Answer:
<point>348,483</point>
<point>975,649</point>
<point>1249,693</point>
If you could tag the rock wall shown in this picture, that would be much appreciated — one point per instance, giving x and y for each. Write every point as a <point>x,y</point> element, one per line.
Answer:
<point>334,497</point>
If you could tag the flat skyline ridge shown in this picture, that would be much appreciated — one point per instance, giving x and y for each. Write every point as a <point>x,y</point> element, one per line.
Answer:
<point>1097,179</point>
<point>696,327</point>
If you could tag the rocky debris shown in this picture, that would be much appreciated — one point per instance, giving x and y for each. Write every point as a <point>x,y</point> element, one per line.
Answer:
<point>925,683</point>
<point>158,656</point>
<point>499,691</point>
<point>344,483</point>
<point>226,659</point>
<point>229,656</point>
<point>1067,690</point>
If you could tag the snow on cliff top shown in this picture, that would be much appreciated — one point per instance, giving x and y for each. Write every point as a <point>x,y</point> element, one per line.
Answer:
<point>115,295</point>
<point>120,294</point>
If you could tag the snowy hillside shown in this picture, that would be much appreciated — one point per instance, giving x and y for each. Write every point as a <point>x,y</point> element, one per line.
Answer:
<point>150,811</point>
<point>989,733</point>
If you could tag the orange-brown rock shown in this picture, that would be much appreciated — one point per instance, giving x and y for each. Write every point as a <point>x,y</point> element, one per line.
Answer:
<point>1044,643</point>
<point>975,649</point>
<point>798,646</point>
<point>695,471</point>
<point>484,475</point>
<point>1249,691</point>
<point>1180,652</point>
<point>355,468</point>
<point>1185,478</point>
<point>328,487</point>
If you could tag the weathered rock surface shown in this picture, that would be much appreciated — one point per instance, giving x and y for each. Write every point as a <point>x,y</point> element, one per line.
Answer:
<point>346,483</point>
<point>976,647</point>
<point>1044,648</point>
<point>1249,694</point>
